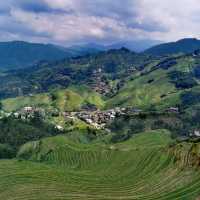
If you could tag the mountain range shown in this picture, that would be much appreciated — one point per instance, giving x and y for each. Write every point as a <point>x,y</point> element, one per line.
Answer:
<point>19,54</point>
<point>93,122</point>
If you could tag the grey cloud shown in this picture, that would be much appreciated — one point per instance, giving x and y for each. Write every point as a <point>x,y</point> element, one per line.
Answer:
<point>104,21</point>
<point>38,6</point>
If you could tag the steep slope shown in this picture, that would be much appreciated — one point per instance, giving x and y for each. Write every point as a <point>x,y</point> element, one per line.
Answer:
<point>122,77</point>
<point>162,84</point>
<point>142,168</point>
<point>19,54</point>
<point>135,45</point>
<point>182,46</point>
<point>22,54</point>
<point>93,70</point>
<point>70,99</point>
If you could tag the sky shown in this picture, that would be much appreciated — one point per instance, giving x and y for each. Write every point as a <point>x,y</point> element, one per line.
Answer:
<point>71,22</point>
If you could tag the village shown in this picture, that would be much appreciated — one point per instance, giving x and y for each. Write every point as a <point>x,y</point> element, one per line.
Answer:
<point>99,83</point>
<point>96,118</point>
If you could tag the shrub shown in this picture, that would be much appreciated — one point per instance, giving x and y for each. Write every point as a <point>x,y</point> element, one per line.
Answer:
<point>182,80</point>
<point>150,81</point>
<point>166,64</point>
<point>197,71</point>
<point>16,132</point>
<point>190,98</point>
<point>6,151</point>
<point>120,137</point>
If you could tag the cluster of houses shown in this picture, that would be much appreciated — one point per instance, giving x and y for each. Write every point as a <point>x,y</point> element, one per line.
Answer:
<point>131,70</point>
<point>99,84</point>
<point>195,134</point>
<point>4,114</point>
<point>173,110</point>
<point>96,118</point>
<point>29,113</point>
<point>99,119</point>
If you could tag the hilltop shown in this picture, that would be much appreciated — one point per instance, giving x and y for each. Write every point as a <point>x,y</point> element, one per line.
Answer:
<point>187,45</point>
<point>20,54</point>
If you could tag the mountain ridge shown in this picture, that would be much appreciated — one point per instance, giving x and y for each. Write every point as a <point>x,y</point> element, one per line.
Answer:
<point>21,54</point>
<point>185,45</point>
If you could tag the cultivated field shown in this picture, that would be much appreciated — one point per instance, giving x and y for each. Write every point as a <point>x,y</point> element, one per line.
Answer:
<point>57,169</point>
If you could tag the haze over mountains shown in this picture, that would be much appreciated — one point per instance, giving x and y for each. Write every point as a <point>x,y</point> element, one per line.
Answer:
<point>19,54</point>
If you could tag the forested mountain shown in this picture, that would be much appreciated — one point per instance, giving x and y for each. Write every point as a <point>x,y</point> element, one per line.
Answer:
<point>186,45</point>
<point>125,78</point>
<point>105,66</point>
<point>19,54</point>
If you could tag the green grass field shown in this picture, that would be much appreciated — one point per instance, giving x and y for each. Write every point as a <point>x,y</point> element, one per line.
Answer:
<point>140,93</point>
<point>56,168</point>
<point>65,100</point>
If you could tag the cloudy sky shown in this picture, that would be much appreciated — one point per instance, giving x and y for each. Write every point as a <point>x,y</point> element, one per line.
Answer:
<point>70,22</point>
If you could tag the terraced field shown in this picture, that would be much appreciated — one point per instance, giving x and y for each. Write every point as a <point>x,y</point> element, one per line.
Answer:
<point>142,168</point>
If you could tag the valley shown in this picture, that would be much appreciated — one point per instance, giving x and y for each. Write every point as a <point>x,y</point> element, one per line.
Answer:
<point>111,125</point>
<point>99,100</point>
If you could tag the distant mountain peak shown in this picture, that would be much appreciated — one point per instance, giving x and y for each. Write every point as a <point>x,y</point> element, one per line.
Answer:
<point>121,50</point>
<point>125,49</point>
<point>188,40</point>
<point>21,54</point>
<point>134,45</point>
<point>185,45</point>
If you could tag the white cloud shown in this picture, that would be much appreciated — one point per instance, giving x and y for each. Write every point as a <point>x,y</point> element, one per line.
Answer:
<point>177,17</point>
<point>102,20</point>
<point>69,28</point>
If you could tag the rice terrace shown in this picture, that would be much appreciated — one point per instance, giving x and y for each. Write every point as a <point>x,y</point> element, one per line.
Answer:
<point>142,168</point>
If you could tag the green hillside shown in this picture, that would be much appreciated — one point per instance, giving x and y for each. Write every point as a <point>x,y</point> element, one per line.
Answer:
<point>142,168</point>
<point>96,69</point>
<point>187,45</point>
<point>13,104</point>
<point>119,77</point>
<point>69,99</point>
<point>140,93</point>
<point>110,126</point>
<point>161,84</point>
<point>76,97</point>
<point>20,54</point>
